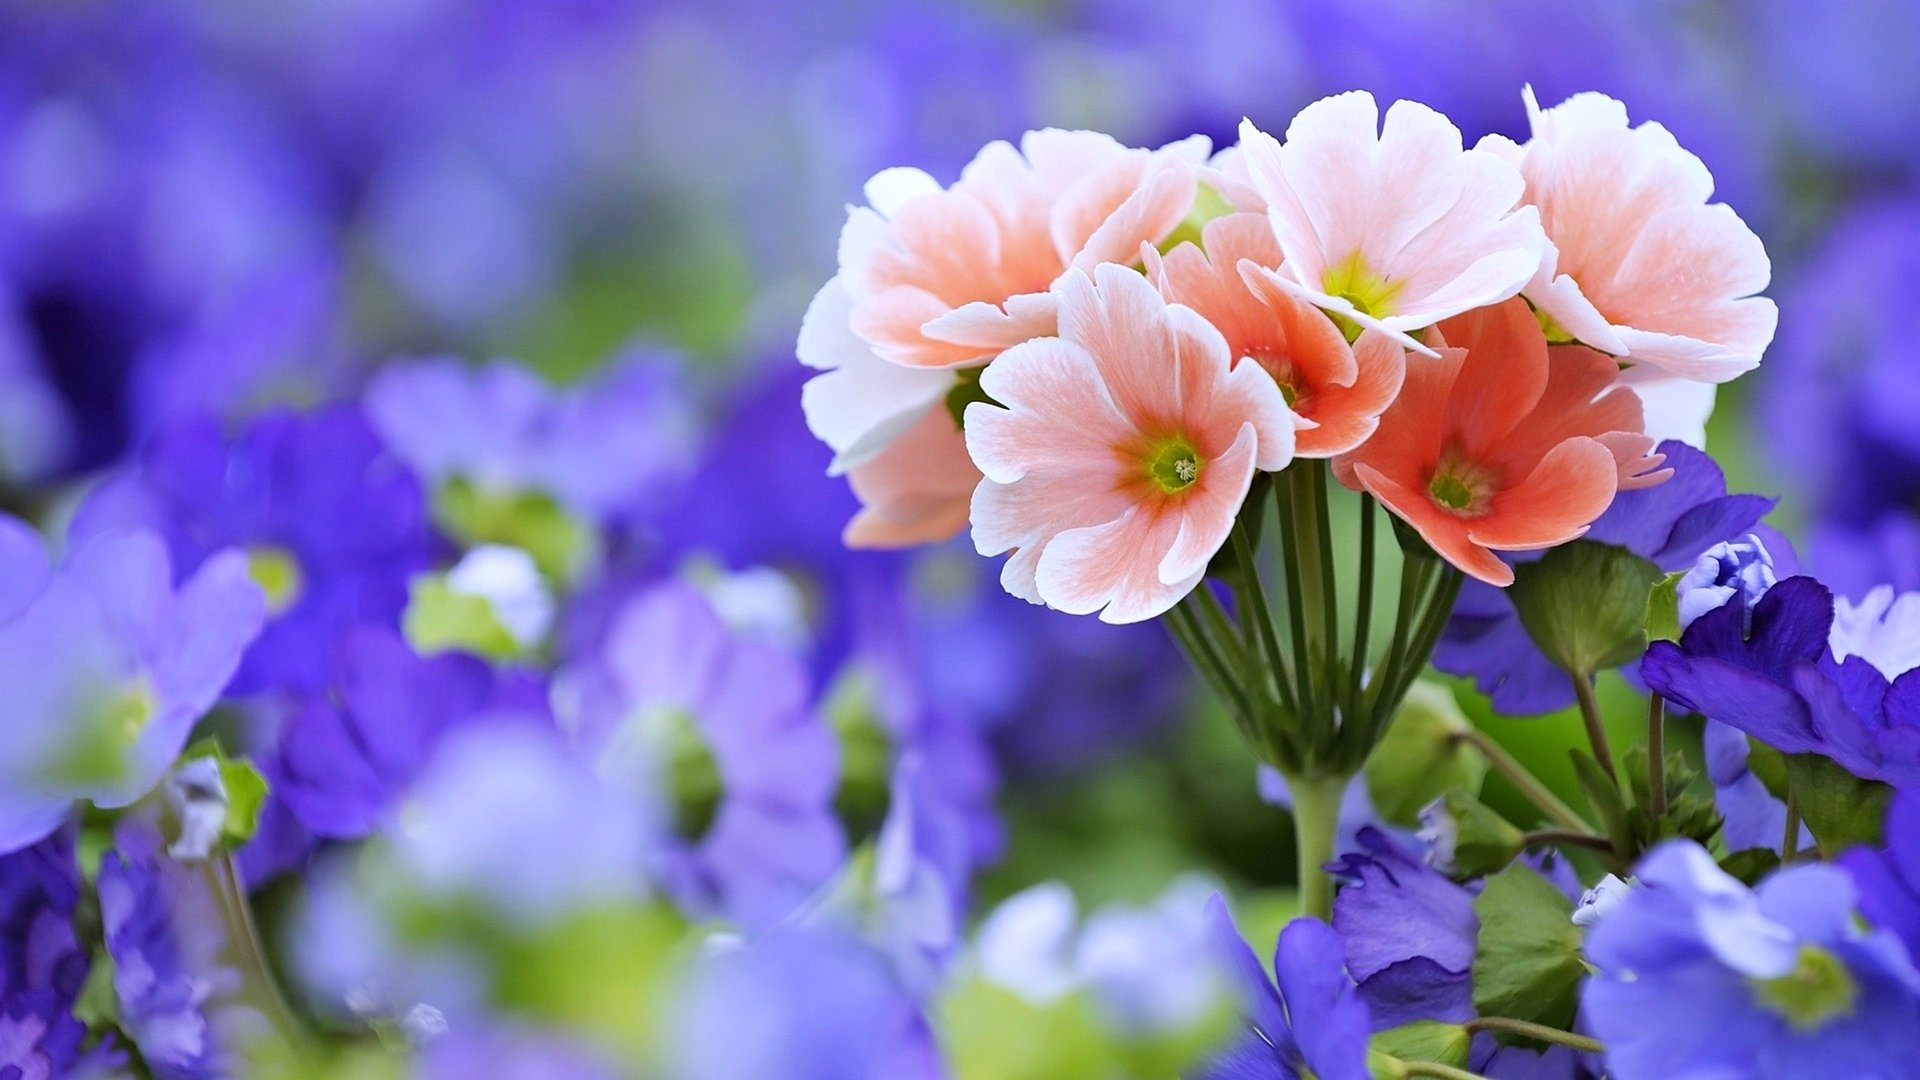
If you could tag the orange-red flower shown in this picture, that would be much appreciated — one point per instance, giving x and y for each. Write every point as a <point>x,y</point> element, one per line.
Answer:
<point>1503,444</point>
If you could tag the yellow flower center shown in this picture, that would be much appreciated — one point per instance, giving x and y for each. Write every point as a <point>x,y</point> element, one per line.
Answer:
<point>1174,465</point>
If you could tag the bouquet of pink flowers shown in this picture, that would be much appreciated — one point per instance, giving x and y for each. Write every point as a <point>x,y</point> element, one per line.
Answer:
<point>1133,371</point>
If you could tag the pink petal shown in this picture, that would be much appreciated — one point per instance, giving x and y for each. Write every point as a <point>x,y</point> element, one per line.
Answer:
<point>1113,568</point>
<point>1573,484</point>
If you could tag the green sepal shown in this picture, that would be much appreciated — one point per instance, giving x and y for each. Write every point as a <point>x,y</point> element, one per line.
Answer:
<point>1422,757</point>
<point>1526,963</point>
<point>246,792</point>
<point>1663,609</point>
<point>967,390</point>
<point>1691,812</point>
<point>1412,544</point>
<point>1425,1040</point>
<point>439,619</point>
<point>1483,841</point>
<point>1839,808</point>
<point>1584,604</point>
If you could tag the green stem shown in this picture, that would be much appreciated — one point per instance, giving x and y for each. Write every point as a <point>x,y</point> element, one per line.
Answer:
<point>1328,593</point>
<point>1570,837</point>
<point>1257,616</point>
<point>1790,843</point>
<point>1316,826</point>
<point>1205,655</point>
<point>1527,1029</point>
<point>258,984</point>
<point>1523,781</point>
<point>1363,613</point>
<point>1596,727</point>
<point>1296,611</point>
<point>1657,757</point>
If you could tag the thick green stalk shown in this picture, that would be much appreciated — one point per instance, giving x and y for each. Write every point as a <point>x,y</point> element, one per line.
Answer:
<point>1363,612</point>
<point>1523,781</point>
<point>1596,725</point>
<point>1316,827</point>
<point>1657,757</point>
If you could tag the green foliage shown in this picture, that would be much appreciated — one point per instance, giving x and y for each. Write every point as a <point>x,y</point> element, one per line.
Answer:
<point>866,752</point>
<point>1425,1040</point>
<point>1840,809</point>
<point>561,544</point>
<point>246,792</point>
<point>1421,758</point>
<point>597,973</point>
<point>439,619</point>
<point>1585,605</point>
<point>1604,795</point>
<point>994,1033</point>
<point>1483,840</point>
<point>1663,609</point>
<point>1527,963</point>
<point>1691,812</point>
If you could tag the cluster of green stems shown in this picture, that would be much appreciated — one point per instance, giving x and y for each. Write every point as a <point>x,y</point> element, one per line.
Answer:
<point>1302,683</point>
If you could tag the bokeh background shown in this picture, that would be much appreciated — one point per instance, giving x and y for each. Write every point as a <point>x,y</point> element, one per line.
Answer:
<point>216,208</point>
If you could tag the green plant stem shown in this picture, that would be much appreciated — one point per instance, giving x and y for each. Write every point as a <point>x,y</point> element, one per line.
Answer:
<point>1257,616</point>
<point>1296,611</point>
<point>1527,1029</point>
<point>1204,653</point>
<point>1596,726</point>
<point>1328,594</point>
<point>1413,573</point>
<point>1790,843</point>
<point>1657,756</point>
<point>1316,824</point>
<point>222,878</point>
<point>1593,841</point>
<point>1523,781</point>
<point>1363,613</point>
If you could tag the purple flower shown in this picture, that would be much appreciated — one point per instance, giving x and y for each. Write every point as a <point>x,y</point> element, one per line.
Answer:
<point>798,1005</point>
<point>332,525</point>
<point>42,966</point>
<point>108,667</point>
<point>720,724</point>
<point>1307,1020</point>
<point>1728,569</point>
<point>344,757</point>
<point>1409,932</point>
<point>1697,975</point>
<point>163,931</point>
<point>1779,682</point>
<point>601,450</point>
<point>1670,524</point>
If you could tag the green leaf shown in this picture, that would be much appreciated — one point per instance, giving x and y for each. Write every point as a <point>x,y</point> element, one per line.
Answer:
<point>1840,809</point>
<point>246,797</point>
<point>246,792</point>
<point>1769,765</point>
<point>1691,812</point>
<point>439,619</point>
<point>1603,794</point>
<point>1527,962</point>
<point>1422,758</point>
<point>1663,609</point>
<point>1425,1040</point>
<point>1585,605</point>
<point>1751,864</point>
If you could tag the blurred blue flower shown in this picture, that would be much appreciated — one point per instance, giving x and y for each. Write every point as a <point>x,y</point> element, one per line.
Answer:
<point>1148,969</point>
<point>164,933</point>
<point>1410,934</point>
<point>345,757</point>
<point>719,726</point>
<point>1671,524</point>
<point>603,449</point>
<point>108,667</point>
<point>42,966</point>
<point>331,523</point>
<point>1306,1020</point>
<point>797,1004</point>
<point>1698,975</point>
<point>504,1053</point>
